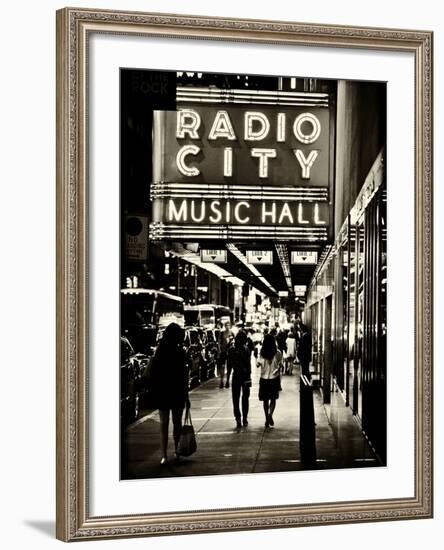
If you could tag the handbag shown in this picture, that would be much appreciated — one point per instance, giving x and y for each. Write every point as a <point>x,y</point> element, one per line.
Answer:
<point>187,441</point>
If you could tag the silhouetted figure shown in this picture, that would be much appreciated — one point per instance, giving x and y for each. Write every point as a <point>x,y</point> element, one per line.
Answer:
<point>291,352</point>
<point>281,341</point>
<point>169,382</point>
<point>304,350</point>
<point>250,343</point>
<point>239,362</point>
<point>224,340</point>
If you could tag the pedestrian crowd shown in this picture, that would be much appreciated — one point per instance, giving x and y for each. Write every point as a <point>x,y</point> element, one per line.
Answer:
<point>279,351</point>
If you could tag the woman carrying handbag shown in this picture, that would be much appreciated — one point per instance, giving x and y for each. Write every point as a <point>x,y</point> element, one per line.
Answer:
<point>169,384</point>
<point>187,441</point>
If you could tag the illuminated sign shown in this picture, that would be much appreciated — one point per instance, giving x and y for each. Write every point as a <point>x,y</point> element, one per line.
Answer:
<point>220,168</point>
<point>245,212</point>
<point>213,256</point>
<point>300,290</point>
<point>304,257</point>
<point>259,256</point>
<point>273,145</point>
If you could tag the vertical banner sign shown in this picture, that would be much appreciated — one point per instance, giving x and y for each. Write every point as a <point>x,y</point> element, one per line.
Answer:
<point>243,164</point>
<point>136,232</point>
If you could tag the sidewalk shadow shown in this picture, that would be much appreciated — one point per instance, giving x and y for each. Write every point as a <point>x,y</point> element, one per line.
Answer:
<point>47,527</point>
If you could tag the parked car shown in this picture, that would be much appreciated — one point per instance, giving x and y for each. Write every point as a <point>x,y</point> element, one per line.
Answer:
<point>132,366</point>
<point>144,340</point>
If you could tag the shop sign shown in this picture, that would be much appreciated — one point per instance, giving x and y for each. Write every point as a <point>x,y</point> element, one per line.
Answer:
<point>300,290</point>
<point>304,257</point>
<point>136,232</point>
<point>213,256</point>
<point>259,257</point>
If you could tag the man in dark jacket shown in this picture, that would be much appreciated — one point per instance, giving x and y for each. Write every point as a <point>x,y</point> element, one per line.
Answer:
<point>239,362</point>
<point>304,350</point>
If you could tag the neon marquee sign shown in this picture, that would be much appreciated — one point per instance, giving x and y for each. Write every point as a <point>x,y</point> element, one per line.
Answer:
<point>256,128</point>
<point>251,165</point>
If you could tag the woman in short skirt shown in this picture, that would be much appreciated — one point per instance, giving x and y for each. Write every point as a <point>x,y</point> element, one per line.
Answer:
<point>270,361</point>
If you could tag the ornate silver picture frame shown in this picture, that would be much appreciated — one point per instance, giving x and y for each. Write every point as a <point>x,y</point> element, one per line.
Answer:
<point>75,517</point>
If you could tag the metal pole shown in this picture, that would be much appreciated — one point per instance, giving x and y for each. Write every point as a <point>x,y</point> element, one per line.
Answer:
<point>356,357</point>
<point>195,283</point>
<point>347,374</point>
<point>178,276</point>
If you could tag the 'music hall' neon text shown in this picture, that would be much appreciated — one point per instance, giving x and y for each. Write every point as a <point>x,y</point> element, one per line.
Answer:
<point>245,212</point>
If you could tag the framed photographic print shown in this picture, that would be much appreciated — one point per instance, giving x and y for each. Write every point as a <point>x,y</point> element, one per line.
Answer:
<point>244,274</point>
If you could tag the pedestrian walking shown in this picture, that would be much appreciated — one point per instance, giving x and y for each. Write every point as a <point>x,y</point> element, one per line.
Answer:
<point>169,384</point>
<point>224,341</point>
<point>281,339</point>
<point>291,352</point>
<point>239,362</point>
<point>304,350</point>
<point>270,360</point>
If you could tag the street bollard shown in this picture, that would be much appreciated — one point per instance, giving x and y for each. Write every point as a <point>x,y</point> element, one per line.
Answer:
<point>307,430</point>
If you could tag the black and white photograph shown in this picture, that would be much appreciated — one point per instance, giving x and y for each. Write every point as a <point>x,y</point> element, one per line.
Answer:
<point>227,216</point>
<point>253,282</point>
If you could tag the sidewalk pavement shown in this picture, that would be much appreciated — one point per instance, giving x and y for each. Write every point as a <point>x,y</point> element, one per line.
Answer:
<point>224,449</point>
